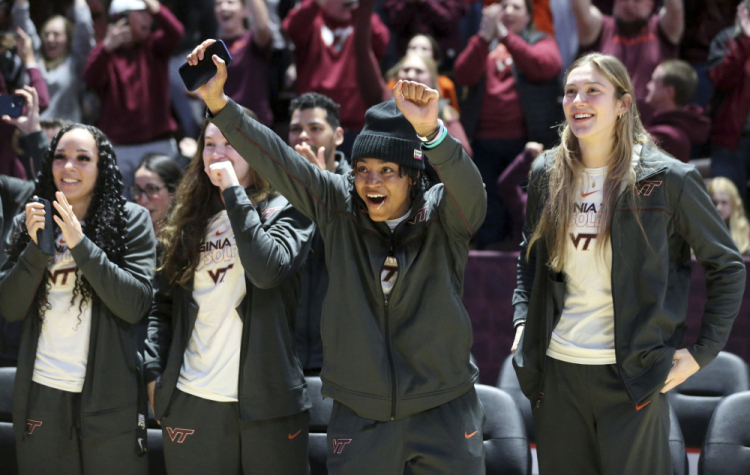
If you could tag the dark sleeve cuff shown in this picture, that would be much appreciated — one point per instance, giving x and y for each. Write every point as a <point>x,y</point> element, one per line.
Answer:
<point>235,195</point>
<point>35,256</point>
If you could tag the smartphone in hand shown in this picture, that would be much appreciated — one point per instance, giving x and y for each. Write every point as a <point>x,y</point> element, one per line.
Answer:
<point>198,75</point>
<point>45,238</point>
<point>11,105</point>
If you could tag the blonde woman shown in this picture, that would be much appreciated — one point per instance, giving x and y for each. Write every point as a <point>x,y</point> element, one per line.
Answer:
<point>603,281</point>
<point>728,203</point>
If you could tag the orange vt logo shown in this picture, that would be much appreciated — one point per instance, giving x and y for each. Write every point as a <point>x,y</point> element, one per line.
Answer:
<point>179,434</point>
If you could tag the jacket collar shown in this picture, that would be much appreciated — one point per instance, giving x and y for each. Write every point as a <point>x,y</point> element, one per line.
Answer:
<point>651,162</point>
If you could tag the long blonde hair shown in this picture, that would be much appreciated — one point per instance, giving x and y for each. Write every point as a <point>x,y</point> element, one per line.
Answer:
<point>738,224</point>
<point>567,168</point>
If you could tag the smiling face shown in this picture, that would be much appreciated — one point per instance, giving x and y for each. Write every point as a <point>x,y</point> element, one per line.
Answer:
<point>54,38</point>
<point>590,106</point>
<point>157,202</point>
<point>414,69</point>
<point>420,44</point>
<point>216,149</point>
<point>514,15</point>
<point>75,166</point>
<point>379,185</point>
<point>231,14</point>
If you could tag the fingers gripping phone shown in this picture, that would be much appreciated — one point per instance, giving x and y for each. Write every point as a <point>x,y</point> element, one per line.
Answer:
<point>45,238</point>
<point>11,105</point>
<point>198,75</point>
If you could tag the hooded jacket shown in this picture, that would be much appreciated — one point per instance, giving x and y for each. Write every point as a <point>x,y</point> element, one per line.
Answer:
<point>385,360</point>
<point>273,242</point>
<point>650,277</point>
<point>676,130</point>
<point>110,396</point>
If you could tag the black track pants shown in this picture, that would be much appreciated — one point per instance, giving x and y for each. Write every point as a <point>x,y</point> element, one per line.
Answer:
<point>203,436</point>
<point>587,425</point>
<point>52,444</point>
<point>443,440</point>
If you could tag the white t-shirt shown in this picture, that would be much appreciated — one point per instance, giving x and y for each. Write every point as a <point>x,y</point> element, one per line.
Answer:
<point>211,365</point>
<point>389,273</point>
<point>63,348</point>
<point>586,330</point>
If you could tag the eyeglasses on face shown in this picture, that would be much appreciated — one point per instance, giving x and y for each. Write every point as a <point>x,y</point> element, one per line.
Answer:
<point>151,191</point>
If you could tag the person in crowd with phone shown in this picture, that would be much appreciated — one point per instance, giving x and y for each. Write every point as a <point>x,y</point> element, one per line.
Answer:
<point>10,165</point>
<point>396,336</point>
<point>603,283</point>
<point>326,62</point>
<point>78,384</point>
<point>14,193</point>
<point>130,72</point>
<point>65,46</point>
<point>223,377</point>
<point>250,50</point>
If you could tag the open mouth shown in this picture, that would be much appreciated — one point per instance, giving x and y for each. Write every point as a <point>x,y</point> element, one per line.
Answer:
<point>70,181</point>
<point>582,117</point>
<point>376,200</point>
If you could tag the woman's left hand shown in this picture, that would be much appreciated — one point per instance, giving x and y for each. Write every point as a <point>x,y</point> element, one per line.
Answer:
<point>684,367</point>
<point>69,224</point>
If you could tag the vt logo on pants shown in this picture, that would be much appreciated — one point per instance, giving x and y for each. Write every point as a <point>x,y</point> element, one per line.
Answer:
<point>179,434</point>
<point>339,444</point>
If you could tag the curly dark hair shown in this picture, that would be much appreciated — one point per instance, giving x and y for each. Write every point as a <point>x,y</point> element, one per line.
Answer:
<point>105,223</point>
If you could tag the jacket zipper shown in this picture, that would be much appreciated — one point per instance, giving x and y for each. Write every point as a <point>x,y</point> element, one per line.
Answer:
<point>391,365</point>
<point>612,234</point>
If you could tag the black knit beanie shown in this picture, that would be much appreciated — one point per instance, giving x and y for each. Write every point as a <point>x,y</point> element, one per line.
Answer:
<point>388,136</point>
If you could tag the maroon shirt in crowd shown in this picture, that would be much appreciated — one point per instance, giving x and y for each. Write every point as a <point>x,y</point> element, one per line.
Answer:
<point>133,84</point>
<point>676,130</point>
<point>730,77</point>
<point>640,54</point>
<point>501,117</point>
<point>9,164</point>
<point>325,57</point>
<point>437,18</point>
<point>247,81</point>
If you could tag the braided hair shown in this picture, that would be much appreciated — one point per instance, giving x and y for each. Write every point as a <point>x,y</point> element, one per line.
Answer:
<point>105,223</point>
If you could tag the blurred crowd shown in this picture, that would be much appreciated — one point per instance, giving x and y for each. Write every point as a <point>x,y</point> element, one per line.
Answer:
<point>498,65</point>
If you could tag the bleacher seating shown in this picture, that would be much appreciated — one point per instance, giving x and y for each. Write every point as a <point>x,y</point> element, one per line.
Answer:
<point>726,450</point>
<point>695,400</point>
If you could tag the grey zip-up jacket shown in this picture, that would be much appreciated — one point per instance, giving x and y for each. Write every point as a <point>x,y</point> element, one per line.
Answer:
<point>650,277</point>
<point>273,243</point>
<point>109,402</point>
<point>389,360</point>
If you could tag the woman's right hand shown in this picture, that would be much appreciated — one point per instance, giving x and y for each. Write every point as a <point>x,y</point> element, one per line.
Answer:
<point>213,91</point>
<point>151,388</point>
<point>517,339</point>
<point>34,219</point>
